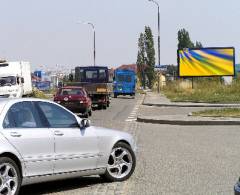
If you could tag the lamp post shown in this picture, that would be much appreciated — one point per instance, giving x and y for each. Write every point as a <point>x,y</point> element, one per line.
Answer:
<point>94,40</point>
<point>158,29</point>
<point>158,38</point>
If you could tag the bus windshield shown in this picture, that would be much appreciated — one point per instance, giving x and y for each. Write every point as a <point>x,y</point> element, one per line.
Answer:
<point>124,78</point>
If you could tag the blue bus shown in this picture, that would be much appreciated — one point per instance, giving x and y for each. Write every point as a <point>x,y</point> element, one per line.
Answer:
<point>124,83</point>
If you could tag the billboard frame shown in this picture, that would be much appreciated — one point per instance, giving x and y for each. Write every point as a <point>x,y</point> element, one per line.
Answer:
<point>206,48</point>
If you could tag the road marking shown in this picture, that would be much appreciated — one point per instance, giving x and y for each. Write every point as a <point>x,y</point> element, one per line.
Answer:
<point>130,120</point>
<point>133,115</point>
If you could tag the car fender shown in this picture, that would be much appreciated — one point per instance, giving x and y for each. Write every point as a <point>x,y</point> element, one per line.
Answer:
<point>7,147</point>
<point>107,138</point>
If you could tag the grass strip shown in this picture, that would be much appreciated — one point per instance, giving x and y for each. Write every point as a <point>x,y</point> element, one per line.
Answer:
<point>225,112</point>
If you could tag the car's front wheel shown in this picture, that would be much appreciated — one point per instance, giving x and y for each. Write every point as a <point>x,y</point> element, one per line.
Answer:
<point>121,163</point>
<point>10,179</point>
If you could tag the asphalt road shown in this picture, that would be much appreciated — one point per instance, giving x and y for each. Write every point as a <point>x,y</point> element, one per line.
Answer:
<point>171,160</point>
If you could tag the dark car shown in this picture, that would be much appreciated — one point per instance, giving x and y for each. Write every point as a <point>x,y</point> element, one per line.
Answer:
<point>75,99</point>
<point>237,188</point>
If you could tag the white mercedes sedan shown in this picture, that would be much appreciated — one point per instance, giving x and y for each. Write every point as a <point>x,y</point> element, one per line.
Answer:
<point>42,141</point>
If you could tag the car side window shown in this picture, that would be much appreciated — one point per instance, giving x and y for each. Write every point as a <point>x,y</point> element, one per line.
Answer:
<point>21,115</point>
<point>56,116</point>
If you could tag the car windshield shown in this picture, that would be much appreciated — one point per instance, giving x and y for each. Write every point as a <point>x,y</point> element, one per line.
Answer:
<point>7,81</point>
<point>69,91</point>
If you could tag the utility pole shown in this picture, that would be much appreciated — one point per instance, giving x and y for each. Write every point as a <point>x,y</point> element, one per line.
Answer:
<point>159,63</point>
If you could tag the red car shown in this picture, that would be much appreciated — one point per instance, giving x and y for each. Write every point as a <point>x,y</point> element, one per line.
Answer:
<point>75,99</point>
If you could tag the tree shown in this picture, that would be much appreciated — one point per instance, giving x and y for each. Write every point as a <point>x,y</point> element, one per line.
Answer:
<point>146,57</point>
<point>184,40</point>
<point>150,56</point>
<point>198,45</point>
<point>172,70</point>
<point>141,59</point>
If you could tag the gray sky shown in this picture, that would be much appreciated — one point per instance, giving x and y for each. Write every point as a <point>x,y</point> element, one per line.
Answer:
<point>45,32</point>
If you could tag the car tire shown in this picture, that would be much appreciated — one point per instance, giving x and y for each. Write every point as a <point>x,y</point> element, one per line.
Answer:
<point>121,163</point>
<point>90,113</point>
<point>86,115</point>
<point>13,176</point>
<point>104,106</point>
<point>115,95</point>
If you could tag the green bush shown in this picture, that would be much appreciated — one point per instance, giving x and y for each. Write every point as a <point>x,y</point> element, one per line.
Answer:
<point>38,94</point>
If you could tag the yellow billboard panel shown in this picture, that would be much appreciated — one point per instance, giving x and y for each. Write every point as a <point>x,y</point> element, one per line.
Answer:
<point>206,62</point>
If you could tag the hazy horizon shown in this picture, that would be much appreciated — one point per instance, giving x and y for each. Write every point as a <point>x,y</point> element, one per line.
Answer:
<point>46,33</point>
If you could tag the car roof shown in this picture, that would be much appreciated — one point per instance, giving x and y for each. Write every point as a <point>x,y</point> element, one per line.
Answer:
<point>4,101</point>
<point>93,67</point>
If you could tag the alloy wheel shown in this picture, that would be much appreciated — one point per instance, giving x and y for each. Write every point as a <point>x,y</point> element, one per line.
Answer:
<point>8,179</point>
<point>120,163</point>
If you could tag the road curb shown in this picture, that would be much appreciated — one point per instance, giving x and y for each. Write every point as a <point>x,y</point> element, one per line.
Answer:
<point>194,105</point>
<point>187,122</point>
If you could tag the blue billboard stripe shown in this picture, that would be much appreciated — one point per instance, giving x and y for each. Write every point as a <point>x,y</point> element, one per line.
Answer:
<point>201,59</point>
<point>218,54</point>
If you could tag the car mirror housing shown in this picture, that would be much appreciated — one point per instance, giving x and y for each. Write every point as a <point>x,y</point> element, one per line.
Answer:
<point>85,123</point>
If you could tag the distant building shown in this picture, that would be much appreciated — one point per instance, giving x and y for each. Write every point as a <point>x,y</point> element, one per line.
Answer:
<point>128,67</point>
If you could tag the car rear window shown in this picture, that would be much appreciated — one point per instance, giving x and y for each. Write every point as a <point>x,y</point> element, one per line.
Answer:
<point>71,92</point>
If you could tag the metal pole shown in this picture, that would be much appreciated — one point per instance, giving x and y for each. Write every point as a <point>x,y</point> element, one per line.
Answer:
<point>94,46</point>
<point>94,40</point>
<point>158,46</point>
<point>159,62</point>
<point>94,43</point>
<point>158,35</point>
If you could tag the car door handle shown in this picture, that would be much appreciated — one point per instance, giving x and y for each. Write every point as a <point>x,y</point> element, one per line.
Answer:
<point>58,133</point>
<point>15,134</point>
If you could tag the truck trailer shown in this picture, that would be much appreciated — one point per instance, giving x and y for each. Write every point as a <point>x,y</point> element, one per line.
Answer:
<point>95,79</point>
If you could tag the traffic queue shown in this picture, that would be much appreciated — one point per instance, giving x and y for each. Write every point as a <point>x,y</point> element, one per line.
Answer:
<point>91,87</point>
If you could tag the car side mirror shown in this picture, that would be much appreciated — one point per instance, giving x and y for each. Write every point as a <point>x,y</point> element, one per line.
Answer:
<point>85,123</point>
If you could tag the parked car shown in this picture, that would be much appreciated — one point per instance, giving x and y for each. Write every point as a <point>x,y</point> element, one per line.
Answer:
<point>237,188</point>
<point>42,141</point>
<point>75,99</point>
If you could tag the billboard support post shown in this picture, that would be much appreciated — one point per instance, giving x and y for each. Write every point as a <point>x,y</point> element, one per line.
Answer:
<point>192,83</point>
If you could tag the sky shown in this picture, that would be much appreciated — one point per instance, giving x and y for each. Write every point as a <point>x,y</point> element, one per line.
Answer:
<point>48,33</point>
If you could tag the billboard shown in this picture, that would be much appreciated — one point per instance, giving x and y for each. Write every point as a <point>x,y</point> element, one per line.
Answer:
<point>199,62</point>
<point>42,85</point>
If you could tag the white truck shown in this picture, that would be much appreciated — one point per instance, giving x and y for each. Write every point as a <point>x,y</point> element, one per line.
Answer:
<point>15,79</point>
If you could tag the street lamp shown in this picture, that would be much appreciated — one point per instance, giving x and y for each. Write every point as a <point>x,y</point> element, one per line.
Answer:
<point>94,39</point>
<point>158,29</point>
<point>158,39</point>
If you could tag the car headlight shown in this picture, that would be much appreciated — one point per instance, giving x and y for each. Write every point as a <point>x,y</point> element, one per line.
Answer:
<point>81,102</point>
